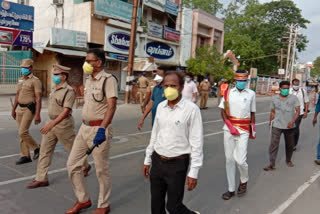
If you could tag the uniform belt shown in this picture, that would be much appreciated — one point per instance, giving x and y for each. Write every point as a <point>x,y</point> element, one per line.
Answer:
<point>92,122</point>
<point>164,158</point>
<point>143,87</point>
<point>25,105</point>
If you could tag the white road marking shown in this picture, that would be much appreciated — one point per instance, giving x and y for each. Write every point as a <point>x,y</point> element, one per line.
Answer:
<point>280,209</point>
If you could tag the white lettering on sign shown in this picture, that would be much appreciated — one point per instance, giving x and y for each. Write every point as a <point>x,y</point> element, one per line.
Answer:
<point>26,17</point>
<point>4,22</point>
<point>119,41</point>
<point>160,51</point>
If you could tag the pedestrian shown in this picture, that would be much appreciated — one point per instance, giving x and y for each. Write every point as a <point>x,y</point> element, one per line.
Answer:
<point>100,102</point>
<point>195,80</point>
<point>143,83</point>
<point>224,86</point>
<point>285,110</point>
<point>190,91</point>
<point>238,108</point>
<point>204,90</point>
<point>60,125</point>
<point>314,122</point>
<point>176,140</point>
<point>219,91</point>
<point>304,107</point>
<point>156,98</point>
<point>28,98</point>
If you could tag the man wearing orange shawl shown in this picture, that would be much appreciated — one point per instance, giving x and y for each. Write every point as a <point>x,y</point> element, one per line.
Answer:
<point>238,108</point>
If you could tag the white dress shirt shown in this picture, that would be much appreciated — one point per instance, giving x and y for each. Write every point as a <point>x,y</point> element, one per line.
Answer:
<point>302,98</point>
<point>241,104</point>
<point>188,90</point>
<point>176,132</point>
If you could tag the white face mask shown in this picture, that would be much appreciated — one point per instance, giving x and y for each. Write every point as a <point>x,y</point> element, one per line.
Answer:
<point>295,87</point>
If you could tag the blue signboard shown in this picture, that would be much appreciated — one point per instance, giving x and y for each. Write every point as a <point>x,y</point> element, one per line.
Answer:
<point>115,9</point>
<point>118,57</point>
<point>17,16</point>
<point>172,8</point>
<point>119,41</point>
<point>159,50</point>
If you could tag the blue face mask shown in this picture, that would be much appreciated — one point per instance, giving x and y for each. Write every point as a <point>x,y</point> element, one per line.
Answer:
<point>56,79</point>
<point>195,80</point>
<point>241,85</point>
<point>25,71</point>
<point>187,79</point>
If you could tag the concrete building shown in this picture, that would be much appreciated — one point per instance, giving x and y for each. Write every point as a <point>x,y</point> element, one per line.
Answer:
<point>206,30</point>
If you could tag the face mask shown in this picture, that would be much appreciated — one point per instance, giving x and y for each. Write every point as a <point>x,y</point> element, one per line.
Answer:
<point>195,80</point>
<point>171,93</point>
<point>206,80</point>
<point>295,87</point>
<point>25,71</point>
<point>241,84</point>
<point>285,92</point>
<point>87,68</point>
<point>56,79</point>
<point>187,79</point>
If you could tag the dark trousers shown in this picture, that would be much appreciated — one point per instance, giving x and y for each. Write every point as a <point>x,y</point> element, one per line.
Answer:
<point>297,130</point>
<point>168,178</point>
<point>275,140</point>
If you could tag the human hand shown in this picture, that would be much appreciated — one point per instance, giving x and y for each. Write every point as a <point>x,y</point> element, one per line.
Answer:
<point>13,114</point>
<point>37,119</point>
<point>140,124</point>
<point>191,183</point>
<point>100,136</point>
<point>47,128</point>
<point>145,171</point>
<point>290,125</point>
<point>305,115</point>
<point>314,121</point>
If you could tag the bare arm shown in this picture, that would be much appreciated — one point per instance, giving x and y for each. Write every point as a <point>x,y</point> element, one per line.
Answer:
<point>253,117</point>
<point>146,100</point>
<point>15,105</point>
<point>224,115</point>
<point>272,113</point>
<point>315,118</point>
<point>64,114</point>
<point>112,106</point>
<point>296,115</point>
<point>195,95</point>
<point>37,118</point>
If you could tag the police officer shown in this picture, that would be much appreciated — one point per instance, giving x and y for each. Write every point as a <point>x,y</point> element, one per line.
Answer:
<point>143,87</point>
<point>60,125</point>
<point>28,98</point>
<point>204,90</point>
<point>100,101</point>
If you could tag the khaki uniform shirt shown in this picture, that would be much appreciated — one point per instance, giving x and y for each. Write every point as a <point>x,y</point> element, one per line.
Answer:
<point>28,88</point>
<point>95,104</point>
<point>205,86</point>
<point>143,82</point>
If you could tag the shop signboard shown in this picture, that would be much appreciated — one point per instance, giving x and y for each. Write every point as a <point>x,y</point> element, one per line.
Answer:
<point>159,50</point>
<point>118,57</point>
<point>155,30</point>
<point>171,8</point>
<point>155,4</point>
<point>68,38</point>
<point>118,40</point>
<point>16,16</point>
<point>115,9</point>
<point>15,37</point>
<point>171,34</point>
<point>281,71</point>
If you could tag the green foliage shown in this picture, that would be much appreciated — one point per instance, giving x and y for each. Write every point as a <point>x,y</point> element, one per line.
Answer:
<point>210,6</point>
<point>209,61</point>
<point>315,71</point>
<point>253,30</point>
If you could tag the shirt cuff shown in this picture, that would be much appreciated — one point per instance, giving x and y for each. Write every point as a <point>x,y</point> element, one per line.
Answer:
<point>193,173</point>
<point>147,160</point>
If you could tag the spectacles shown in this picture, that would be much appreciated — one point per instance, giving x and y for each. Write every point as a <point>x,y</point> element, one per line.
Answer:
<point>91,60</point>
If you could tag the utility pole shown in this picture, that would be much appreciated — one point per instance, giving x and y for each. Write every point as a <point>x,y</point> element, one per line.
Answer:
<point>131,50</point>
<point>293,59</point>
<point>288,52</point>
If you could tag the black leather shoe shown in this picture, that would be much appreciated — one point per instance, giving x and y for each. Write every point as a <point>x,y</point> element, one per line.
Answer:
<point>36,154</point>
<point>23,160</point>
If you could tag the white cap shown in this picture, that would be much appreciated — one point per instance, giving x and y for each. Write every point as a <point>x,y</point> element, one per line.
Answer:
<point>158,78</point>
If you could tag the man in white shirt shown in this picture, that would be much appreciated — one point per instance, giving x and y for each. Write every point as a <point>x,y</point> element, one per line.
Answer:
<point>238,112</point>
<point>304,105</point>
<point>176,140</point>
<point>190,90</point>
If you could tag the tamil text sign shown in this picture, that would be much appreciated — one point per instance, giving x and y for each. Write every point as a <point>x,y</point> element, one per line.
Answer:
<point>15,37</point>
<point>155,30</point>
<point>115,9</point>
<point>171,34</point>
<point>159,50</point>
<point>68,38</point>
<point>17,16</point>
<point>171,8</point>
<point>156,4</point>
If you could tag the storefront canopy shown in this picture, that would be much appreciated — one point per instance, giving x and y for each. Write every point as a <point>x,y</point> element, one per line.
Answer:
<point>142,66</point>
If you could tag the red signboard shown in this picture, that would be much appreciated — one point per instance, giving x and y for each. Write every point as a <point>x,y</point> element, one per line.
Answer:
<point>171,34</point>
<point>15,37</point>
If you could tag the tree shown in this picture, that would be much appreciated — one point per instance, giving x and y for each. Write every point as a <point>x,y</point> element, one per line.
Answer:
<point>315,71</point>
<point>256,31</point>
<point>209,61</point>
<point>210,6</point>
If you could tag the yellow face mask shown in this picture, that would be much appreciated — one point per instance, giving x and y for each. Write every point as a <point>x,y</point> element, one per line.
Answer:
<point>171,93</point>
<point>87,68</point>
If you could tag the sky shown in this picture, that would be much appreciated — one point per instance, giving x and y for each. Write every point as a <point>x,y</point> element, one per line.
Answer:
<point>310,10</point>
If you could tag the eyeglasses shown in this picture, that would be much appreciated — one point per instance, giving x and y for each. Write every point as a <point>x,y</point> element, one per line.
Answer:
<point>92,60</point>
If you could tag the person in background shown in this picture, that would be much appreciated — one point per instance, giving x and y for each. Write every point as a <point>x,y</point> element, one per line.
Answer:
<point>190,91</point>
<point>28,98</point>
<point>304,107</point>
<point>204,90</point>
<point>285,110</point>
<point>224,86</point>
<point>314,122</point>
<point>143,83</point>
<point>176,140</point>
<point>195,80</point>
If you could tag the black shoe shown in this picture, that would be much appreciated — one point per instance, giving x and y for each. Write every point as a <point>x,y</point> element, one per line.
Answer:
<point>36,154</point>
<point>23,160</point>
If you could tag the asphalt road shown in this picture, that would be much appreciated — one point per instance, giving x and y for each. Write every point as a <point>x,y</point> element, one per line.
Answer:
<point>285,190</point>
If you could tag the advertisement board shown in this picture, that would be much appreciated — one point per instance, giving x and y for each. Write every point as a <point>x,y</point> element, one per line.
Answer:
<point>17,16</point>
<point>171,34</point>
<point>155,30</point>
<point>68,38</point>
<point>155,4</point>
<point>160,50</point>
<point>171,8</point>
<point>15,37</point>
<point>115,9</point>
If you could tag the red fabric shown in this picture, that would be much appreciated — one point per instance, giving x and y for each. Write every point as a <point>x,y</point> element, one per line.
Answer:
<point>95,123</point>
<point>253,129</point>
<point>232,129</point>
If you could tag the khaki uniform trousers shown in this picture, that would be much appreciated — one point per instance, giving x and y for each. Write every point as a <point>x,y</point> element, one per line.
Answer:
<point>83,141</point>
<point>204,99</point>
<point>64,133</point>
<point>142,94</point>
<point>24,120</point>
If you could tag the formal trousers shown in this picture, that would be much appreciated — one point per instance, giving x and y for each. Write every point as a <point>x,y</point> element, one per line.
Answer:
<point>235,148</point>
<point>142,95</point>
<point>275,141</point>
<point>62,132</point>
<point>204,99</point>
<point>167,178</point>
<point>297,130</point>
<point>24,120</point>
<point>77,158</point>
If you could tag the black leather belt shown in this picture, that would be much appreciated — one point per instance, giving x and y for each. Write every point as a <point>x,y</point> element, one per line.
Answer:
<point>164,158</point>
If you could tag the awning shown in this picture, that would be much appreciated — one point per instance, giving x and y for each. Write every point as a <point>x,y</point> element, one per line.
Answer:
<point>67,52</point>
<point>142,66</point>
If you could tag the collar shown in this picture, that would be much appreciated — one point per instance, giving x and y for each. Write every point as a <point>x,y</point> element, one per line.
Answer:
<point>98,76</point>
<point>30,76</point>
<point>64,85</point>
<point>180,104</point>
<point>236,90</point>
